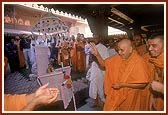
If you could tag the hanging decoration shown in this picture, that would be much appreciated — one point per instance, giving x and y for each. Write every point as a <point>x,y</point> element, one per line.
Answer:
<point>50,24</point>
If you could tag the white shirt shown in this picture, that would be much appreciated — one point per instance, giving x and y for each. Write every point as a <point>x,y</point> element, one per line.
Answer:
<point>87,49</point>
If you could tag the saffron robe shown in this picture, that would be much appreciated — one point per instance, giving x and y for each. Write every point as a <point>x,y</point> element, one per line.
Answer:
<point>74,56</point>
<point>133,70</point>
<point>81,57</point>
<point>14,102</point>
<point>156,68</point>
<point>20,54</point>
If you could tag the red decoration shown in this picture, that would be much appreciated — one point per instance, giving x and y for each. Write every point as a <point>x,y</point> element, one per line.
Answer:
<point>69,85</point>
<point>66,77</point>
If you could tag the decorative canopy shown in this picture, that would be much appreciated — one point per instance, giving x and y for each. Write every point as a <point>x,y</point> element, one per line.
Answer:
<point>50,24</point>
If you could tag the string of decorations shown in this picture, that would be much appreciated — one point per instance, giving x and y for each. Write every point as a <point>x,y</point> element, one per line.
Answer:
<point>57,12</point>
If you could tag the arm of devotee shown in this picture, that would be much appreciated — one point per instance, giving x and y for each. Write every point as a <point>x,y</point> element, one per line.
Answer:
<point>98,56</point>
<point>129,85</point>
<point>28,102</point>
<point>41,90</point>
<point>43,95</point>
<point>157,86</point>
<point>42,99</point>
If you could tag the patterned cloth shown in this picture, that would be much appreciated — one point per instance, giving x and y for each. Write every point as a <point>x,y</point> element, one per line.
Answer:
<point>56,79</point>
<point>42,59</point>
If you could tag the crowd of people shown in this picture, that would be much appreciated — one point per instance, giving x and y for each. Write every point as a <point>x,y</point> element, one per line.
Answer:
<point>68,50</point>
<point>127,75</point>
<point>132,79</point>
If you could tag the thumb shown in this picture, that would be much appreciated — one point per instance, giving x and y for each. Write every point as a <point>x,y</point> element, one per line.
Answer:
<point>44,86</point>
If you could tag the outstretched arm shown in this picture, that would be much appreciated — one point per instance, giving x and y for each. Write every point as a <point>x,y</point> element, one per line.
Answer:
<point>98,56</point>
<point>129,85</point>
<point>43,95</point>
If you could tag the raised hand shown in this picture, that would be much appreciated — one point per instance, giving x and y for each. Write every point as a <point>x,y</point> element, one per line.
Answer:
<point>94,49</point>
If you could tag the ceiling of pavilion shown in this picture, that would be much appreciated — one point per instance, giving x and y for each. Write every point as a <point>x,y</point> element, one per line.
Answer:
<point>144,18</point>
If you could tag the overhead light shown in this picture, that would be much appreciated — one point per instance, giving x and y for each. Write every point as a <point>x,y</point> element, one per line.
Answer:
<point>116,21</point>
<point>117,12</point>
<point>144,29</point>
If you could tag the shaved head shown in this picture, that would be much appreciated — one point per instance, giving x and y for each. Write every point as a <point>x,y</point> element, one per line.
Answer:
<point>125,48</point>
<point>126,42</point>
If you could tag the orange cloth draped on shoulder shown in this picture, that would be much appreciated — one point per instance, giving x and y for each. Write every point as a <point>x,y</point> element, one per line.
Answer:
<point>133,70</point>
<point>159,61</point>
<point>141,49</point>
<point>20,54</point>
<point>74,56</point>
<point>81,57</point>
<point>14,102</point>
<point>65,56</point>
<point>156,66</point>
<point>150,66</point>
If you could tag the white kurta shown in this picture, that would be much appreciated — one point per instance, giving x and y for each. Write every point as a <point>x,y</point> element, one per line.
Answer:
<point>87,52</point>
<point>103,51</point>
<point>112,51</point>
<point>97,75</point>
<point>32,53</point>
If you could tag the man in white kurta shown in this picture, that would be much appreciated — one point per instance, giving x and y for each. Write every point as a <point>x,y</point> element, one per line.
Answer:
<point>97,75</point>
<point>32,52</point>
<point>87,52</point>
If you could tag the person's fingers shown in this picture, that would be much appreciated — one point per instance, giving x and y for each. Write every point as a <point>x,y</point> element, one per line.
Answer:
<point>115,86</point>
<point>53,89</point>
<point>92,45</point>
<point>54,98</point>
<point>44,86</point>
<point>47,99</point>
<point>55,92</point>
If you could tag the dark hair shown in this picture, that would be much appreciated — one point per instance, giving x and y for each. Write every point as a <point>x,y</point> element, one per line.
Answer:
<point>160,36</point>
<point>138,35</point>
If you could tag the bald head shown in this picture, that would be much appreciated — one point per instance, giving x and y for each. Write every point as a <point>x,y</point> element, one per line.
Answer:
<point>126,42</point>
<point>125,48</point>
